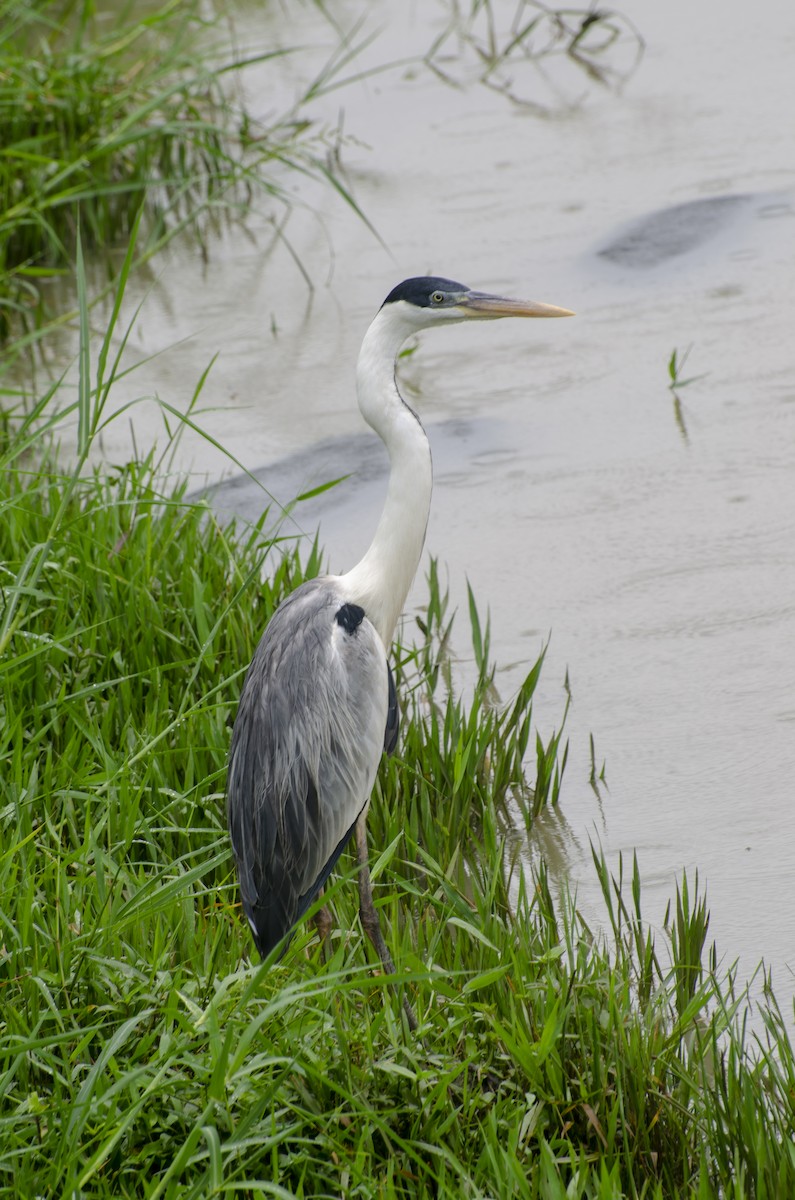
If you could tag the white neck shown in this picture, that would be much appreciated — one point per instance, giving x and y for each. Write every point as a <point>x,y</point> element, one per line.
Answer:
<point>380,582</point>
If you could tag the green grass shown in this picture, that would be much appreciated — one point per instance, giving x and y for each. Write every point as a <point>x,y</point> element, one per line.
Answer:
<point>103,118</point>
<point>142,1054</point>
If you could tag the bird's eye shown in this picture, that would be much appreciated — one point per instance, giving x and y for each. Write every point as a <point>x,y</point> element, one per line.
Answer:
<point>437,297</point>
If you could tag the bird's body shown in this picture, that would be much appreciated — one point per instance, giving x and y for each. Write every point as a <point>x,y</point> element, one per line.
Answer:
<point>318,706</point>
<point>305,753</point>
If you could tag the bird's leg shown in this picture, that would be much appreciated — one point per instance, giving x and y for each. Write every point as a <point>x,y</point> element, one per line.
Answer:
<point>322,922</point>
<point>370,922</point>
<point>369,916</point>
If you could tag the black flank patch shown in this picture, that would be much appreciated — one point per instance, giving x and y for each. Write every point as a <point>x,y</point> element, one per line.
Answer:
<point>350,617</point>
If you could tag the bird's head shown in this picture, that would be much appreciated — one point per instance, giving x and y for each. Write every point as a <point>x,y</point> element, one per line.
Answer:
<point>428,300</point>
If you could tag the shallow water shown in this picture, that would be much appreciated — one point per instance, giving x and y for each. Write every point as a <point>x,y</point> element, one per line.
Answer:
<point>658,552</point>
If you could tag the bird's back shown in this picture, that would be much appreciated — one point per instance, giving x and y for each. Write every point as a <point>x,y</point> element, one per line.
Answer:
<point>307,741</point>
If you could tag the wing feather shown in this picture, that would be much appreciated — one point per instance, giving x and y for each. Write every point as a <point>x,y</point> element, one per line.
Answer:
<point>392,715</point>
<point>308,737</point>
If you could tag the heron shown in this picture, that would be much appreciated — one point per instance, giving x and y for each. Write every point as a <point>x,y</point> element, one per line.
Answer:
<point>318,707</point>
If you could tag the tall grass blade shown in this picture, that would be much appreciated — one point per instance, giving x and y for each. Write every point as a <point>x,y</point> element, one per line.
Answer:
<point>84,416</point>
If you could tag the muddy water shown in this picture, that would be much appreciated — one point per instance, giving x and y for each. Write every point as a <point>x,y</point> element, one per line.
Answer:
<point>655,545</point>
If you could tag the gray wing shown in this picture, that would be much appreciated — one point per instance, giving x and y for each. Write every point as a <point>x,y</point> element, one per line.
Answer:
<point>306,745</point>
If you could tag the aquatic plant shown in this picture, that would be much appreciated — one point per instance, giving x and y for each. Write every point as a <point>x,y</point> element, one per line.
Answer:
<point>676,365</point>
<point>508,47</point>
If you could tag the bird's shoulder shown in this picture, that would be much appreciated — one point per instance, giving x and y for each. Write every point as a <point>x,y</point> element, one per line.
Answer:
<point>317,634</point>
<point>309,600</point>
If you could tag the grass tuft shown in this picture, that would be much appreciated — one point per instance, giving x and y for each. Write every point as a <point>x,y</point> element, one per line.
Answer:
<point>105,120</point>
